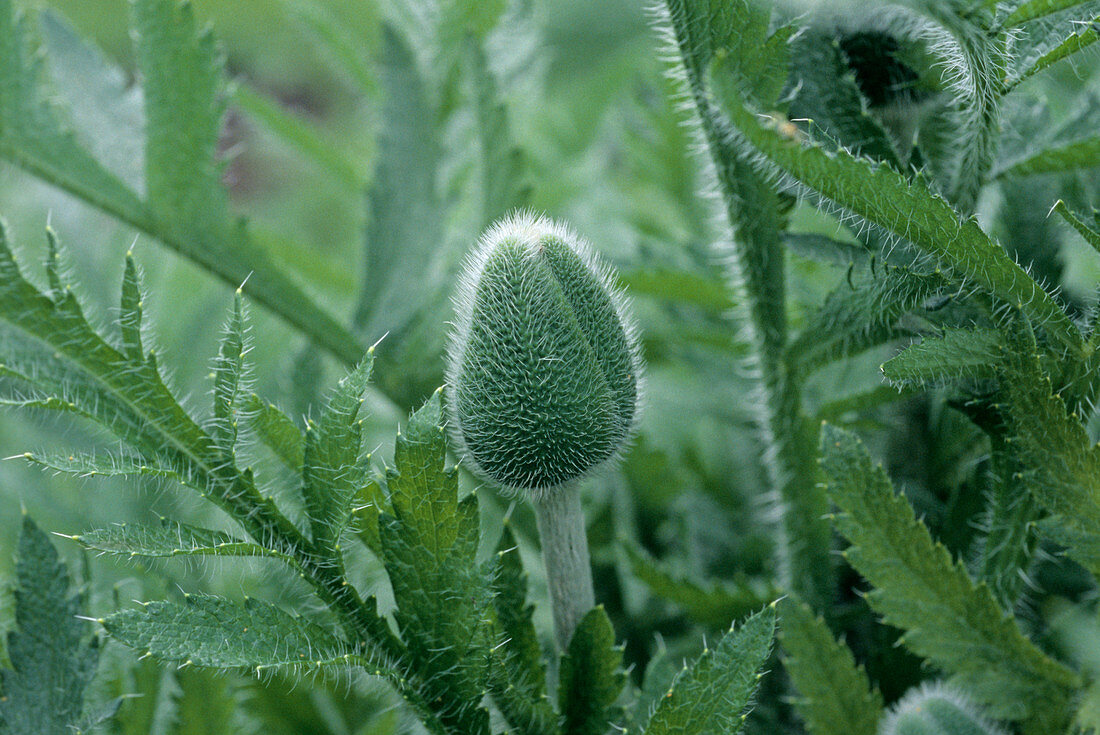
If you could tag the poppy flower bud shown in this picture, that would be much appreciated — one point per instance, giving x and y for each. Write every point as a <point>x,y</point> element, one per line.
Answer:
<point>543,369</point>
<point>934,709</point>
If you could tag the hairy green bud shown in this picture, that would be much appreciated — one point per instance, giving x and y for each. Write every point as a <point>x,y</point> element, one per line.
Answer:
<point>935,709</point>
<point>543,369</point>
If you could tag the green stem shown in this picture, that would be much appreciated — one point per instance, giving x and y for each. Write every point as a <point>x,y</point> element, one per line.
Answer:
<point>982,52</point>
<point>754,213</point>
<point>565,553</point>
<point>756,216</point>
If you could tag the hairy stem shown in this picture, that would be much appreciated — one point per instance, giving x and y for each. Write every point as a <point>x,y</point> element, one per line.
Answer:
<point>756,216</point>
<point>980,71</point>
<point>565,553</point>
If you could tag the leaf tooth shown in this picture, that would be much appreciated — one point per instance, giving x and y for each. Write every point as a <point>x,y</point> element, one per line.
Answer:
<point>229,375</point>
<point>130,312</point>
<point>53,264</point>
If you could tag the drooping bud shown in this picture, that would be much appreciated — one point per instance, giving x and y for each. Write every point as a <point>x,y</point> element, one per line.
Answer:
<point>935,709</point>
<point>543,371</point>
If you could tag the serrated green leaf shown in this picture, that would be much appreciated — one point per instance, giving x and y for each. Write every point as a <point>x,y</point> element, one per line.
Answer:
<point>229,371</point>
<point>404,221</point>
<point>32,134</point>
<point>715,605</point>
<point>957,354</point>
<point>1047,40</point>
<point>1092,237</point>
<point>68,366</point>
<point>276,430</point>
<point>72,368</point>
<point>834,695</point>
<point>953,622</point>
<point>216,632</point>
<point>100,464</point>
<point>100,98</point>
<point>1057,461</point>
<point>517,677</point>
<point>859,314</point>
<point>184,105</point>
<point>443,595</point>
<point>929,223</point>
<point>52,658</point>
<point>184,101</point>
<point>169,538</point>
<point>126,395</point>
<point>590,677</point>
<point>192,219</point>
<point>1083,152</point>
<point>331,471</point>
<point>51,347</point>
<point>713,695</point>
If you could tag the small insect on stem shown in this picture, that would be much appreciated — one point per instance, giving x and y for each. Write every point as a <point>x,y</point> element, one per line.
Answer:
<point>784,126</point>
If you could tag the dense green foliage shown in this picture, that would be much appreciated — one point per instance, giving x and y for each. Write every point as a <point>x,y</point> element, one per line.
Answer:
<point>861,243</point>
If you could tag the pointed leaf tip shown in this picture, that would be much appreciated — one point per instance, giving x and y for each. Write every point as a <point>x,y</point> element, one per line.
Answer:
<point>713,694</point>
<point>591,676</point>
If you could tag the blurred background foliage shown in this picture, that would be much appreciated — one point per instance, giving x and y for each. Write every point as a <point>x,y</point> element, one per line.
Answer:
<point>588,105</point>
